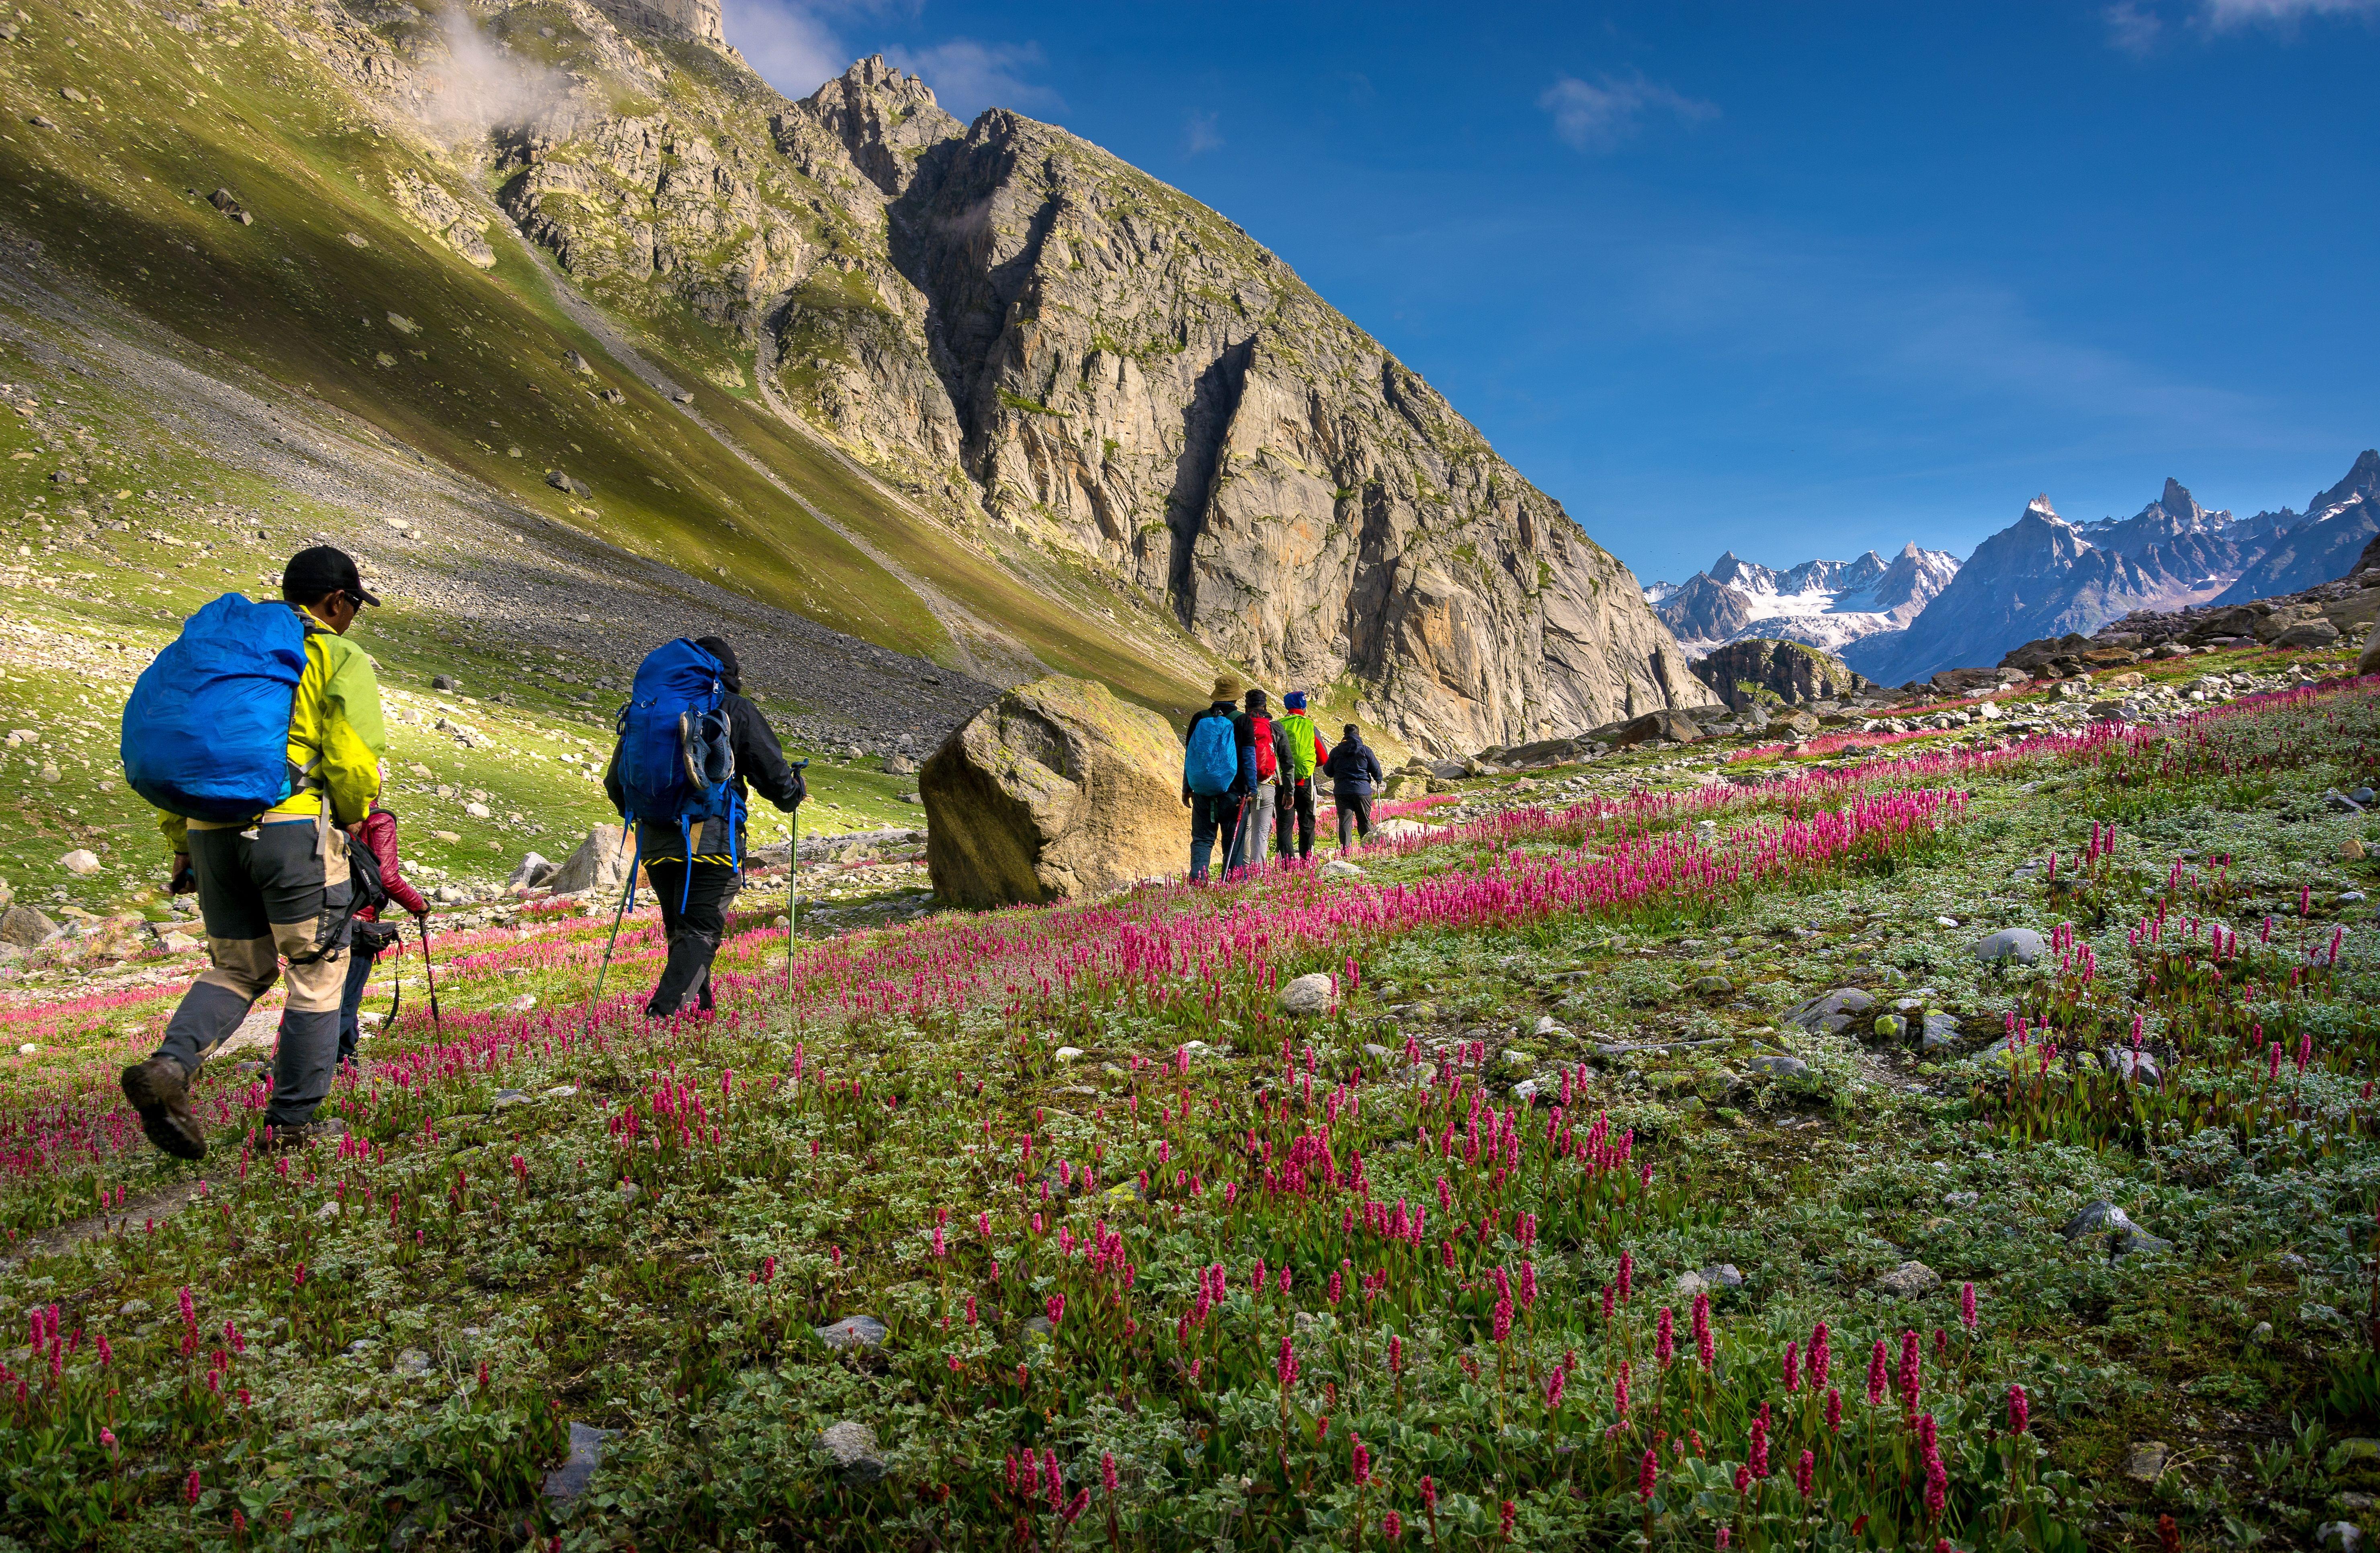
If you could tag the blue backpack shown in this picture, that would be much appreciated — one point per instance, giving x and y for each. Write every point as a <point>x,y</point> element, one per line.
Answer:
<point>206,730</point>
<point>678,749</point>
<point>1210,760</point>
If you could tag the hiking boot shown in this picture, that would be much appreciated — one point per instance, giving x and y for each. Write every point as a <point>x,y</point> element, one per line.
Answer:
<point>160,1090</point>
<point>275,1139</point>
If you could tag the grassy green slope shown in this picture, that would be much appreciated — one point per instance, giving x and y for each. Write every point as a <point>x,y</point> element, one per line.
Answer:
<point>331,293</point>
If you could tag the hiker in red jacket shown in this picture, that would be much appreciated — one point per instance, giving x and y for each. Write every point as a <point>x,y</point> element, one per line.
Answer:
<point>378,831</point>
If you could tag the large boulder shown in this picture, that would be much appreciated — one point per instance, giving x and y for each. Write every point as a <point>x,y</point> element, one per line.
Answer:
<point>1057,790</point>
<point>602,863</point>
<point>1741,673</point>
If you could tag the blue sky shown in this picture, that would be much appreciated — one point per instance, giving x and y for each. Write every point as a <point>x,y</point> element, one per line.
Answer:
<point>1792,279</point>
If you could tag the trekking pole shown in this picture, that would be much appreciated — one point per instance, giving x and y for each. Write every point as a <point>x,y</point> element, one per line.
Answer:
<point>603,969</point>
<point>431,976</point>
<point>794,898</point>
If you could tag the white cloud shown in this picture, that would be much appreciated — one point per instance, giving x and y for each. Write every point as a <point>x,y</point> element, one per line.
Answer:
<point>969,77</point>
<point>2224,13</point>
<point>1599,116</point>
<point>790,45</point>
<point>2132,28</point>
<point>1199,133</point>
<point>482,84</point>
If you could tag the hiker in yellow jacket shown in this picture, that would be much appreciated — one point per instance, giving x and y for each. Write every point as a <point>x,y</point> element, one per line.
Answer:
<point>277,886</point>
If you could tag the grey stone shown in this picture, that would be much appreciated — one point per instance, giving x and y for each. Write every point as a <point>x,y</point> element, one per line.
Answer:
<point>2139,1067</point>
<point>81,861</point>
<point>600,863</point>
<point>1777,1065</point>
<point>853,1447</point>
<point>1910,1280</point>
<point>1841,1004</point>
<point>2146,1461</point>
<point>26,928</point>
<point>2020,944</point>
<point>1339,867</point>
<point>413,1362</point>
<point>1037,1329</point>
<point>562,481</point>
<point>444,681</point>
<point>2336,1537</point>
<point>854,1334</point>
<point>1309,994</point>
<point>504,1097</point>
<point>1722,1275</point>
<point>2123,1236</point>
<point>570,1479</point>
<point>530,872</point>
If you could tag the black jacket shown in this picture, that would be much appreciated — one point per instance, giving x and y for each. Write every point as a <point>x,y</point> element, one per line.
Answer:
<point>760,767</point>
<point>1353,769</point>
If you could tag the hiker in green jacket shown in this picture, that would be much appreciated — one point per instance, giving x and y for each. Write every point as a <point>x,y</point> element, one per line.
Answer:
<point>277,887</point>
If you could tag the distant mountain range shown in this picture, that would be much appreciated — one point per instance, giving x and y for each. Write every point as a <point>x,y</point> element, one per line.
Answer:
<point>1826,604</point>
<point>2044,576</point>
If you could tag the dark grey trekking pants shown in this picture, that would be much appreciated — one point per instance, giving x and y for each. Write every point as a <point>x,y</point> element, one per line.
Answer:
<point>263,893</point>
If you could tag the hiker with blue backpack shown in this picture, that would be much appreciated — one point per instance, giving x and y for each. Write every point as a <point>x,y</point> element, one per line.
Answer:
<point>256,735</point>
<point>691,752</point>
<point>1219,774</point>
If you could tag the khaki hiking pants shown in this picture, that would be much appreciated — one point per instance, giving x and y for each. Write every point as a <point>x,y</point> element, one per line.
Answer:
<point>265,893</point>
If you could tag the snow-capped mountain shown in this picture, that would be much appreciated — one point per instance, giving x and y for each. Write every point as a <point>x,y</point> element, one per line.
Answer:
<point>2044,576</point>
<point>1825,605</point>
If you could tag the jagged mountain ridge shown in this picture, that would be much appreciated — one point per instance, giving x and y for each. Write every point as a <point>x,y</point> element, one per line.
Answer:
<point>2044,576</point>
<point>1825,605</point>
<point>1040,343</point>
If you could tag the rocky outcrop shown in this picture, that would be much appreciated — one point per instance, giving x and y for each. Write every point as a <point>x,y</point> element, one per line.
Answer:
<point>1057,790</point>
<point>1044,347</point>
<point>1128,377</point>
<point>1749,673</point>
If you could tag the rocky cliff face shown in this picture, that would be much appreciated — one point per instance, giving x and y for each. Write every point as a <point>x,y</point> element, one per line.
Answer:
<point>1042,344</point>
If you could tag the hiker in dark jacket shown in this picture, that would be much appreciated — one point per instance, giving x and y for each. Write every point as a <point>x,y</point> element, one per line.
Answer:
<point>694,931</point>
<point>1216,817</point>
<point>1353,771</point>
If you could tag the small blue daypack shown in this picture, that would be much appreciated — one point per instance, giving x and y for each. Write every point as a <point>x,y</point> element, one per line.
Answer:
<point>206,730</point>
<point>678,749</point>
<point>1210,760</point>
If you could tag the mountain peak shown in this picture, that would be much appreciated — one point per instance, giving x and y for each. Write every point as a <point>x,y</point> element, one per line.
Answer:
<point>2176,499</point>
<point>2039,507</point>
<point>885,120</point>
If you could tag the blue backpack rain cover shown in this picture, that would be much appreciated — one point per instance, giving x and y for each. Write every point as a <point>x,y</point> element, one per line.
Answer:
<point>206,730</point>
<point>678,753</point>
<point>1210,761</point>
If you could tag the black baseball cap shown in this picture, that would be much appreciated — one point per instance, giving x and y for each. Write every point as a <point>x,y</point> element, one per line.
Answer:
<point>320,569</point>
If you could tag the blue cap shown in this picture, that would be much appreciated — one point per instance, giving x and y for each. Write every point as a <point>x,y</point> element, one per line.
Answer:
<point>1295,700</point>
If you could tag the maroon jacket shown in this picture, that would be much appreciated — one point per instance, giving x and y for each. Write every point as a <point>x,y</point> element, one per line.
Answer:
<point>379,831</point>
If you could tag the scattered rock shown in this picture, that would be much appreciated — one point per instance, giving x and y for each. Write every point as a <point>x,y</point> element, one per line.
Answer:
<point>1312,993</point>
<point>528,873</point>
<point>1055,791</point>
<point>2020,944</point>
<point>223,200</point>
<point>81,861</point>
<point>1910,1280</point>
<point>1777,1065</point>
<point>899,765</point>
<point>570,483</point>
<point>26,928</point>
<point>853,1447</point>
<point>570,1479</point>
<point>1339,867</point>
<point>2139,1067</point>
<point>413,1362</point>
<point>1832,1011</point>
<point>2338,1537</point>
<point>854,1334</point>
<point>2123,1236</point>
<point>600,863</point>
<point>2146,1461</point>
<point>444,681</point>
<point>1713,986</point>
<point>504,1097</point>
<point>1891,1026</point>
